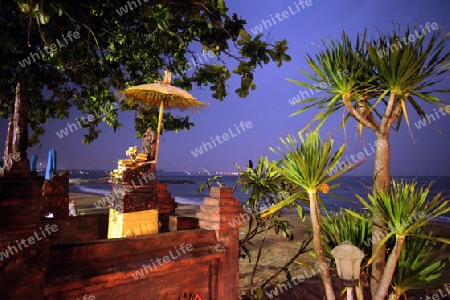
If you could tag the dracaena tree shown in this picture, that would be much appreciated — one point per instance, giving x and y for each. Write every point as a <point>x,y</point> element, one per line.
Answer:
<point>406,209</point>
<point>308,162</point>
<point>377,82</point>
<point>68,54</point>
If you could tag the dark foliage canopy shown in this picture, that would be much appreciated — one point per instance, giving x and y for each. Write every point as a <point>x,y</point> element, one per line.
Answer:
<point>77,53</point>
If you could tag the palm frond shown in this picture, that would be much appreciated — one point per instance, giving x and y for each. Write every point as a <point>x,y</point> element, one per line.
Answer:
<point>405,208</point>
<point>345,226</point>
<point>409,69</point>
<point>339,70</point>
<point>376,69</point>
<point>420,265</point>
<point>309,161</point>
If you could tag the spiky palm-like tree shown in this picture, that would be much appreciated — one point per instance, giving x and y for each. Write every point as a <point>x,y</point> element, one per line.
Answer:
<point>420,266</point>
<point>310,163</point>
<point>373,81</point>
<point>406,210</point>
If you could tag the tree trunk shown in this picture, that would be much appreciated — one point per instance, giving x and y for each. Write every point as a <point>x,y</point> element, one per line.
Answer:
<point>391,264</point>
<point>381,178</point>
<point>20,135</point>
<point>318,247</point>
<point>8,144</point>
<point>17,139</point>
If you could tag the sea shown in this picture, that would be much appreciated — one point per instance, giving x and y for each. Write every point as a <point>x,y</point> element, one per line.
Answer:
<point>186,193</point>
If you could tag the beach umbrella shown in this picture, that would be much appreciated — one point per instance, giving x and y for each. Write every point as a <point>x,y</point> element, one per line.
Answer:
<point>33,161</point>
<point>51,164</point>
<point>165,95</point>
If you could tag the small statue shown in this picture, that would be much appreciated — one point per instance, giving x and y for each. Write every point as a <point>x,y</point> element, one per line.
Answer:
<point>132,152</point>
<point>149,144</point>
<point>167,77</point>
<point>73,208</point>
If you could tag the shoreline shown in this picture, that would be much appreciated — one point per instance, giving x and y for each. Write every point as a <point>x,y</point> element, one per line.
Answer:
<point>88,199</point>
<point>106,180</point>
<point>85,205</point>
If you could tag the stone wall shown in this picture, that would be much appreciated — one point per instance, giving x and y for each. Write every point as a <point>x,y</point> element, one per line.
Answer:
<point>70,259</point>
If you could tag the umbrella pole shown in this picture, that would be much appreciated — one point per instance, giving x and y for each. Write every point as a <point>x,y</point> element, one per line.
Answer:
<point>158,131</point>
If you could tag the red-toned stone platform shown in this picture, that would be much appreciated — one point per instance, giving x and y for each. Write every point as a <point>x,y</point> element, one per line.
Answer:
<point>139,190</point>
<point>77,260</point>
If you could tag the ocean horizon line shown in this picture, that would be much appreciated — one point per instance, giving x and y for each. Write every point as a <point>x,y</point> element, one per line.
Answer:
<point>226,173</point>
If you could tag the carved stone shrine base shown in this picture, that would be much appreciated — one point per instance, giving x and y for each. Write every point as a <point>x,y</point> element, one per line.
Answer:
<point>139,191</point>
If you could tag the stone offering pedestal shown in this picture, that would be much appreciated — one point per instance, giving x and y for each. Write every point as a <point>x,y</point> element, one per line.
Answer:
<point>132,224</point>
<point>138,190</point>
<point>220,212</point>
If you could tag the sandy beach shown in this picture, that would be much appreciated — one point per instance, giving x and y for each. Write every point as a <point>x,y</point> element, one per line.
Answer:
<point>85,205</point>
<point>276,252</point>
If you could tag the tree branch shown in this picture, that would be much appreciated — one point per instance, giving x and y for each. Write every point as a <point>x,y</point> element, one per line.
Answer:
<point>301,250</point>
<point>358,116</point>
<point>395,114</point>
<point>384,126</point>
<point>370,117</point>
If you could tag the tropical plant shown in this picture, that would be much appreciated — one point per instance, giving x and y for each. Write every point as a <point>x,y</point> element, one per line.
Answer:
<point>422,263</point>
<point>405,210</point>
<point>209,182</point>
<point>266,188</point>
<point>356,228</point>
<point>309,163</point>
<point>420,266</point>
<point>373,81</point>
<point>66,54</point>
<point>344,226</point>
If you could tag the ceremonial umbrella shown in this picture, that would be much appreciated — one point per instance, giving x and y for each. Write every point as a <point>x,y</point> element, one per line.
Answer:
<point>165,95</point>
